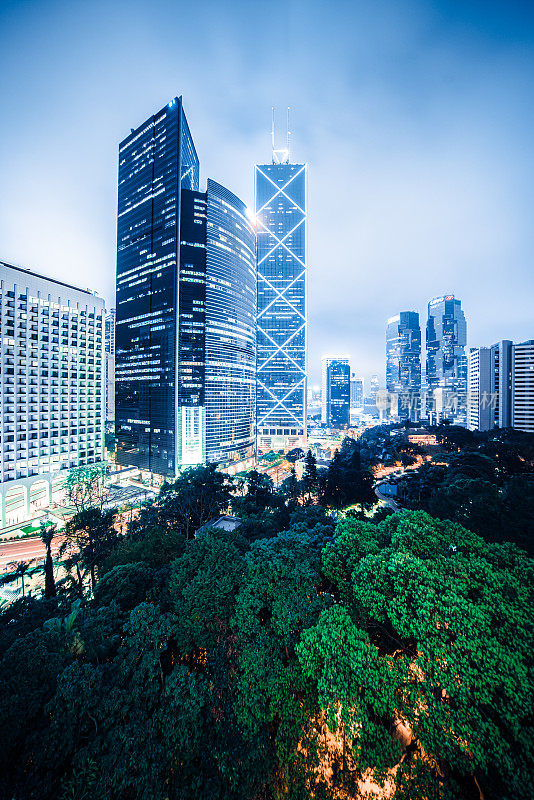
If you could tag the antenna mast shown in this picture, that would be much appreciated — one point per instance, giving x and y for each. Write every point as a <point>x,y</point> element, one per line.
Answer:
<point>288,134</point>
<point>272,132</point>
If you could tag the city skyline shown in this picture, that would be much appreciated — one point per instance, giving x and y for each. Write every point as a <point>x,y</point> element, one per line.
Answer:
<point>418,187</point>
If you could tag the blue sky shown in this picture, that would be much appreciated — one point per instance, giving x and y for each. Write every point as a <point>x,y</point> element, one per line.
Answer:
<point>416,120</point>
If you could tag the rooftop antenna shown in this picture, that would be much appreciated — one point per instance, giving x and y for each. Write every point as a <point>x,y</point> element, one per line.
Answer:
<point>288,134</point>
<point>272,132</point>
<point>280,155</point>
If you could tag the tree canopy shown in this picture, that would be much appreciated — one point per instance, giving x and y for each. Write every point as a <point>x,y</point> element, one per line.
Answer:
<point>311,662</point>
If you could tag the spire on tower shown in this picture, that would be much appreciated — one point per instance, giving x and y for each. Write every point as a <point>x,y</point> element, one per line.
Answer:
<point>280,155</point>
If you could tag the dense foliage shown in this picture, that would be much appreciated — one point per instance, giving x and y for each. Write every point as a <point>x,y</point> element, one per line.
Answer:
<point>291,658</point>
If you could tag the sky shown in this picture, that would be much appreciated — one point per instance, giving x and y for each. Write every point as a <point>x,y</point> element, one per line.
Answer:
<point>416,120</point>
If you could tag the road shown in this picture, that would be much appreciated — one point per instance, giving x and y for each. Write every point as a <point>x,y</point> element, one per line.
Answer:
<point>386,498</point>
<point>25,550</point>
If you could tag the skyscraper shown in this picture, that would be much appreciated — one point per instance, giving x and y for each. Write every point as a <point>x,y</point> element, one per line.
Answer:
<point>446,362</point>
<point>335,409</point>
<point>357,392</point>
<point>403,365</point>
<point>280,206</point>
<point>185,354</point>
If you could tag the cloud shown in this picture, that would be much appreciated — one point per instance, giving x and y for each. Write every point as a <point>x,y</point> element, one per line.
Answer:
<point>415,120</point>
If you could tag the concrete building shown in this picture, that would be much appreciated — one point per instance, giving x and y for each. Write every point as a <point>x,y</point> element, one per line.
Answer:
<point>109,358</point>
<point>52,386</point>
<point>523,387</point>
<point>500,386</point>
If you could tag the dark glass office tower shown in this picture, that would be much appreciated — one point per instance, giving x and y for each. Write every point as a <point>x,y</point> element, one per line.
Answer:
<point>280,192</point>
<point>335,410</point>
<point>403,365</point>
<point>446,362</point>
<point>230,384</point>
<point>172,291</point>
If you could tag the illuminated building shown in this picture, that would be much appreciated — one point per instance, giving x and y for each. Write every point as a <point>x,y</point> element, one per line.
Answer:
<point>280,207</point>
<point>185,329</point>
<point>335,411</point>
<point>446,362</point>
<point>52,386</point>
<point>403,365</point>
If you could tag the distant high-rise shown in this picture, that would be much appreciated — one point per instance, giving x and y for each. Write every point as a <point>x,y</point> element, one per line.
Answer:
<point>280,207</point>
<point>109,340</point>
<point>185,328</point>
<point>446,362</point>
<point>356,392</point>
<point>335,409</point>
<point>374,387</point>
<point>403,365</point>
<point>500,388</point>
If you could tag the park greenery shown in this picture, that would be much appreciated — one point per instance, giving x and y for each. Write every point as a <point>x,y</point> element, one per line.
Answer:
<point>326,648</point>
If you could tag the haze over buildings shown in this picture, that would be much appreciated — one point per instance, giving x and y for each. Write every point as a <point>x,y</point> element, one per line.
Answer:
<point>418,135</point>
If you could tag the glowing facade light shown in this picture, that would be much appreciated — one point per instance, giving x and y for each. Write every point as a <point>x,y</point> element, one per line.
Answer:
<point>280,203</point>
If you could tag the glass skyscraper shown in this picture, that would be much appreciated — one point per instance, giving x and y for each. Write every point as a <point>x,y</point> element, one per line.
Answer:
<point>446,361</point>
<point>335,391</point>
<point>403,365</point>
<point>280,207</point>
<point>185,306</point>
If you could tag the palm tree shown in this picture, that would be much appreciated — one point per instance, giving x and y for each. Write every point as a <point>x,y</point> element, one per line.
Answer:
<point>21,570</point>
<point>47,534</point>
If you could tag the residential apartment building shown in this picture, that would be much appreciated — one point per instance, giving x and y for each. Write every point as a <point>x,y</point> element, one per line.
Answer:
<point>500,388</point>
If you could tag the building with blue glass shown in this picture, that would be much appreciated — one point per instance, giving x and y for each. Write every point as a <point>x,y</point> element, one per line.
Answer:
<point>185,307</point>
<point>280,209</point>
<point>403,365</point>
<point>335,391</point>
<point>446,361</point>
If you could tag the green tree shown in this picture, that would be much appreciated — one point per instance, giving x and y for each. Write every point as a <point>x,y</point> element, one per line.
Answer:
<point>92,534</point>
<point>309,478</point>
<point>198,495</point>
<point>443,612</point>
<point>47,533</point>
<point>84,486</point>
<point>475,504</point>
<point>21,570</point>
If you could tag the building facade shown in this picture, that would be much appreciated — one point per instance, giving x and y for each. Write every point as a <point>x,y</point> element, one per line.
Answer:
<point>500,389</point>
<point>280,213</point>
<point>523,386</point>
<point>109,360</point>
<point>403,365</point>
<point>446,361</point>
<point>335,393</point>
<point>481,384</point>
<point>357,392</point>
<point>185,355</point>
<point>52,384</point>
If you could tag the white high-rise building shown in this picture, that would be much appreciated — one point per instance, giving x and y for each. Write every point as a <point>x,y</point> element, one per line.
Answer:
<point>523,386</point>
<point>500,386</point>
<point>109,350</point>
<point>52,386</point>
